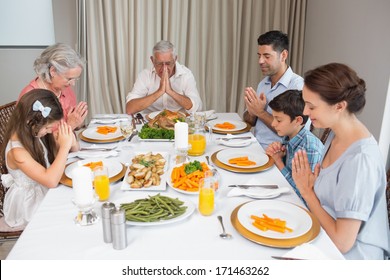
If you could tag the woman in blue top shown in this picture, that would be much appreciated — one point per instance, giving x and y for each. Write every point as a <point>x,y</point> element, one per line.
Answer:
<point>346,191</point>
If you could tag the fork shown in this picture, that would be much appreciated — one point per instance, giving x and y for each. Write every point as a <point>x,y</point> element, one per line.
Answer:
<point>134,133</point>
<point>96,149</point>
<point>140,118</point>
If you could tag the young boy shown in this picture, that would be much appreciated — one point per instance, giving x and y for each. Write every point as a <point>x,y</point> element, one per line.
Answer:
<point>289,121</point>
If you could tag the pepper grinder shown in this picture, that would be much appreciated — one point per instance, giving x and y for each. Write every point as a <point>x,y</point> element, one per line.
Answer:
<point>118,229</point>
<point>107,207</point>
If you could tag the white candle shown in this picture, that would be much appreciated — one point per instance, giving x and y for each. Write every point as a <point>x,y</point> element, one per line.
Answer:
<point>181,135</point>
<point>82,185</point>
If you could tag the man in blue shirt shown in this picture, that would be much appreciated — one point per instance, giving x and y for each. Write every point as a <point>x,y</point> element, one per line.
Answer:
<point>289,121</point>
<point>273,53</point>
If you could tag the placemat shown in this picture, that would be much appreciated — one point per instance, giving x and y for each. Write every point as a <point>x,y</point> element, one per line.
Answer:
<point>246,129</point>
<point>266,166</point>
<point>277,243</point>
<point>68,181</point>
<point>82,137</point>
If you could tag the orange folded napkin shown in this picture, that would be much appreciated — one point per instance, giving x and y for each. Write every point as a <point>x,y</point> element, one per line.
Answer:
<point>106,129</point>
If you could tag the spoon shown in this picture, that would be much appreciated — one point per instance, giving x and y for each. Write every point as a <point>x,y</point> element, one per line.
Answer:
<point>224,235</point>
<point>211,164</point>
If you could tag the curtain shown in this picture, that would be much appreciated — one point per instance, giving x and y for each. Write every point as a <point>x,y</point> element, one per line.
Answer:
<point>216,39</point>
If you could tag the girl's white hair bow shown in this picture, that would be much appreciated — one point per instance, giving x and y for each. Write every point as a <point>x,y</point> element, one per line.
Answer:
<point>37,106</point>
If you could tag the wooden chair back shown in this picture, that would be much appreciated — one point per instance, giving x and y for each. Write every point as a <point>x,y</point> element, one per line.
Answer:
<point>321,133</point>
<point>5,114</point>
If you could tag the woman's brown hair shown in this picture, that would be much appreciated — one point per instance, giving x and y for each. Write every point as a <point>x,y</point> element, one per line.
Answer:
<point>336,82</point>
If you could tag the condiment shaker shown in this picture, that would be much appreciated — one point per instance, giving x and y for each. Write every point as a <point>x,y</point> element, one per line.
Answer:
<point>118,229</point>
<point>107,207</point>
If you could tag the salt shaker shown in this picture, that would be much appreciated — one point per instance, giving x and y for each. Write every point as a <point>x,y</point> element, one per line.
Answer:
<point>118,229</point>
<point>107,207</point>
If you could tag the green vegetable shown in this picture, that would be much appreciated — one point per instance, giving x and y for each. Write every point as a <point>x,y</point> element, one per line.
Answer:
<point>154,208</point>
<point>192,167</point>
<point>146,163</point>
<point>156,133</point>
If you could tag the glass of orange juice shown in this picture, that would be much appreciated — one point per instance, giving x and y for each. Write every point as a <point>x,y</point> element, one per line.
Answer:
<point>206,196</point>
<point>197,144</point>
<point>101,182</point>
<point>197,135</point>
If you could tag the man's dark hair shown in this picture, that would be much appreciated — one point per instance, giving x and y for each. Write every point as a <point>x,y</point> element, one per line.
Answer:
<point>290,103</point>
<point>277,39</point>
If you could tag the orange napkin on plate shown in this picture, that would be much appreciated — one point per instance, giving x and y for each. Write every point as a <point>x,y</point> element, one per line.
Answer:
<point>106,129</point>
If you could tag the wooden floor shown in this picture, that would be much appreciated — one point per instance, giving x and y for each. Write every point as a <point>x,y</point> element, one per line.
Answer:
<point>5,248</point>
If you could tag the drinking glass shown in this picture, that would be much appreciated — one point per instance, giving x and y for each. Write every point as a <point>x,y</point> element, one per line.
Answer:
<point>127,128</point>
<point>197,135</point>
<point>207,189</point>
<point>101,182</point>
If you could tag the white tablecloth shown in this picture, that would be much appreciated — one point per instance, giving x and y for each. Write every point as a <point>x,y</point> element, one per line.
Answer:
<point>52,234</point>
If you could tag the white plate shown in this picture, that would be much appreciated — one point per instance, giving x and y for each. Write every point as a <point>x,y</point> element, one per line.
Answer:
<point>155,140</point>
<point>296,218</point>
<point>212,117</point>
<point>163,183</point>
<point>93,154</point>
<point>108,121</point>
<point>258,193</point>
<point>91,133</point>
<point>152,115</point>
<point>190,209</point>
<point>113,165</point>
<point>256,156</point>
<point>236,143</point>
<point>169,181</point>
<point>239,125</point>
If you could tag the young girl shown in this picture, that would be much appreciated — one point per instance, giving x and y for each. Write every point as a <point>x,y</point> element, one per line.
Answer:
<point>346,192</point>
<point>34,158</point>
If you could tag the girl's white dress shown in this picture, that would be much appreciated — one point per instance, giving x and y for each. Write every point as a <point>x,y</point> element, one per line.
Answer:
<point>24,194</point>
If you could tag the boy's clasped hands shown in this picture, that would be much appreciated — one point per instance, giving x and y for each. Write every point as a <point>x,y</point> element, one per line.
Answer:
<point>277,151</point>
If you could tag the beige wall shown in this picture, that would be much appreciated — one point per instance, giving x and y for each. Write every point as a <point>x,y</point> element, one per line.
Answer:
<point>16,65</point>
<point>354,32</point>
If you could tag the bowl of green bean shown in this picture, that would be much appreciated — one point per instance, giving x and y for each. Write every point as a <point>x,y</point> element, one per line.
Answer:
<point>151,210</point>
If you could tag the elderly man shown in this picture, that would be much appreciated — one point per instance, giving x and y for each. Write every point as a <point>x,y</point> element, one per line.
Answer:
<point>272,52</point>
<point>167,85</point>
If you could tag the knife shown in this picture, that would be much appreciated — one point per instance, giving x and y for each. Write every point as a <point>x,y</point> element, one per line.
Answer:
<point>254,186</point>
<point>234,138</point>
<point>285,258</point>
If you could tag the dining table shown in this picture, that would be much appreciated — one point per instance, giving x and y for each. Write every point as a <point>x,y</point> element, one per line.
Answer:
<point>53,234</point>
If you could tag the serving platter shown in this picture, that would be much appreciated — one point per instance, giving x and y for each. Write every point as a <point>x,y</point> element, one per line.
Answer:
<point>189,211</point>
<point>170,184</point>
<point>152,115</point>
<point>125,186</point>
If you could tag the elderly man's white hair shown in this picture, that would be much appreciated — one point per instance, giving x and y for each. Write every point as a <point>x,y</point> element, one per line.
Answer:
<point>163,47</point>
